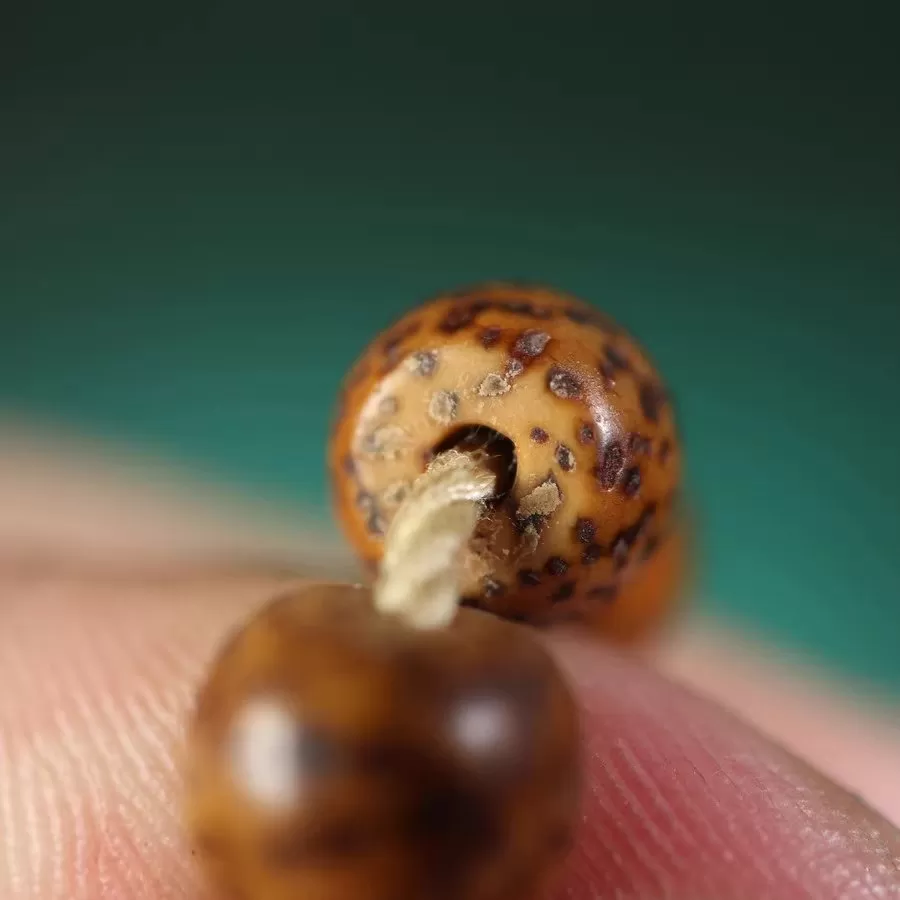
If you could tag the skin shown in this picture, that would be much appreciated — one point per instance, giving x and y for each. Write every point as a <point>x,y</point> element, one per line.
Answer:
<point>110,609</point>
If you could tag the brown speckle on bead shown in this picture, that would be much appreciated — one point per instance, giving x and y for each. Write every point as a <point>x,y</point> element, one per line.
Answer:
<point>610,467</point>
<point>563,592</point>
<point>396,338</point>
<point>565,457</point>
<point>585,530</point>
<point>423,363</point>
<point>556,565</point>
<point>531,344</point>
<point>444,407</point>
<point>665,448</point>
<point>608,371</point>
<point>490,336</point>
<point>631,482</point>
<point>616,358</point>
<point>493,385</point>
<point>461,317</point>
<point>603,592</point>
<point>492,588</point>
<point>591,554</point>
<point>529,578</point>
<point>539,436</point>
<point>585,433</point>
<point>650,547</point>
<point>650,397</point>
<point>564,384</point>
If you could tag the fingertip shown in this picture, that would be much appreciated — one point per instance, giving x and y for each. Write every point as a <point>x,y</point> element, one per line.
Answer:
<point>684,799</point>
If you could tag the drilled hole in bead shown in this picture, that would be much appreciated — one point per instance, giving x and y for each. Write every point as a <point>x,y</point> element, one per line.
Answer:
<point>499,452</point>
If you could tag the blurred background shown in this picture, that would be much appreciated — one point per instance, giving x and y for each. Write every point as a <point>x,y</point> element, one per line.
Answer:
<point>208,210</point>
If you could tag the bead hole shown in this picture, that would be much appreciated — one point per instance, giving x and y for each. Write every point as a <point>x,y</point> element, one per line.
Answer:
<point>498,448</point>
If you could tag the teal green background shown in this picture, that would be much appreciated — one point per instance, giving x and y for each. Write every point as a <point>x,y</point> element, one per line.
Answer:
<point>208,210</point>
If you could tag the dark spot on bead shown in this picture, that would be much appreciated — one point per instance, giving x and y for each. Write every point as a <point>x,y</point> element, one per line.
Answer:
<point>591,554</point>
<point>462,316</point>
<point>616,358</point>
<point>514,368</point>
<point>492,588</point>
<point>608,371</point>
<point>631,483</point>
<point>565,457</point>
<point>650,547</point>
<point>391,346</point>
<point>523,308</point>
<point>424,362</point>
<point>665,448</point>
<point>582,315</point>
<point>609,469</point>
<point>585,530</point>
<point>490,336</point>
<point>375,524</point>
<point>556,565</point>
<point>564,384</point>
<point>651,399</point>
<point>606,593</point>
<point>586,433</point>
<point>627,537</point>
<point>639,445</point>
<point>539,436</point>
<point>563,592</point>
<point>530,344</point>
<point>529,578</point>
<point>349,465</point>
<point>585,315</point>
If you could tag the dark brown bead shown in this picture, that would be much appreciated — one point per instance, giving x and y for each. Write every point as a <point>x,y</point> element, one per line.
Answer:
<point>336,752</point>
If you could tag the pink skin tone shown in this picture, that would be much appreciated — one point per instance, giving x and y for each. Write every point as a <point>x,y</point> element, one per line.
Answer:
<point>110,607</point>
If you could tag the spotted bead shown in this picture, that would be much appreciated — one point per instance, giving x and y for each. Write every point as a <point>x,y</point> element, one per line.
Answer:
<point>571,406</point>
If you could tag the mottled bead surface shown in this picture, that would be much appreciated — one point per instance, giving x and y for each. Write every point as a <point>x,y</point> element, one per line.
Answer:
<point>337,754</point>
<point>579,411</point>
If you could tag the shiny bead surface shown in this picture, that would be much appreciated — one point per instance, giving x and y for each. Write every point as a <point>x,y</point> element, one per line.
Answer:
<point>582,431</point>
<point>335,754</point>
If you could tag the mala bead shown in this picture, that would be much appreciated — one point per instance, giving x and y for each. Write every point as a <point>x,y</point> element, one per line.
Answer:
<point>578,426</point>
<point>336,753</point>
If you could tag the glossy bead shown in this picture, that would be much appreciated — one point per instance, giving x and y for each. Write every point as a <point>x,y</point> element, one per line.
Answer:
<point>579,421</point>
<point>335,753</point>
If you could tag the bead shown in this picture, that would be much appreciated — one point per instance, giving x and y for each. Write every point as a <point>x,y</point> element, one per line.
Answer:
<point>581,430</point>
<point>336,753</point>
